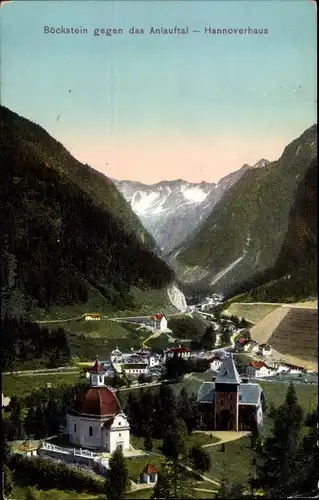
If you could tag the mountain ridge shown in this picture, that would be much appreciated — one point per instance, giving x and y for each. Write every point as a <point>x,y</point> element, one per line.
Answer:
<point>172,210</point>
<point>249,223</point>
<point>68,234</point>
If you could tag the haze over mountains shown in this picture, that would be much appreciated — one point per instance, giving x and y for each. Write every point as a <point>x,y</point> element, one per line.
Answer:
<point>172,210</point>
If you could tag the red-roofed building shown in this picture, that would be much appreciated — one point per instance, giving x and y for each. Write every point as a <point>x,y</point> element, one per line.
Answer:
<point>149,474</point>
<point>95,419</point>
<point>180,351</point>
<point>258,369</point>
<point>159,322</point>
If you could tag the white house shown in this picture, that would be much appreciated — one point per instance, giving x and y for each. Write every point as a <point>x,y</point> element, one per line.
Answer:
<point>265,349</point>
<point>258,369</point>
<point>215,363</point>
<point>95,420</point>
<point>149,474</point>
<point>182,352</point>
<point>4,401</point>
<point>159,322</point>
<point>92,317</point>
<point>135,369</point>
<point>154,360</point>
<point>251,346</point>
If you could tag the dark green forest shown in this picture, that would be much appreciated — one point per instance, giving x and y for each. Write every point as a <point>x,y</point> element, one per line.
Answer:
<point>26,343</point>
<point>66,230</point>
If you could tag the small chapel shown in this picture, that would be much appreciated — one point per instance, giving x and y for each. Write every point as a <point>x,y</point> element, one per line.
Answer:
<point>95,420</point>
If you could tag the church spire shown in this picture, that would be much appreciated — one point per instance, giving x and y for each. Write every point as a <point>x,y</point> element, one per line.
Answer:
<point>228,373</point>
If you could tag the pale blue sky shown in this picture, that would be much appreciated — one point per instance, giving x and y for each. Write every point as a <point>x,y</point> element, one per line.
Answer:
<point>154,107</point>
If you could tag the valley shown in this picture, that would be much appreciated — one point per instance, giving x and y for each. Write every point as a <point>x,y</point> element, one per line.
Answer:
<point>158,275</point>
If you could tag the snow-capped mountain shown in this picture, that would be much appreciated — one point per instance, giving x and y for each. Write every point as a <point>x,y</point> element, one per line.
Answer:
<point>171,210</point>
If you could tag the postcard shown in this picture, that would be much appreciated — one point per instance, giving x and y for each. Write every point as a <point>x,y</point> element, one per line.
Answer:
<point>158,221</point>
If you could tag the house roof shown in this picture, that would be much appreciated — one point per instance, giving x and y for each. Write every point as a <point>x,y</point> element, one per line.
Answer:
<point>228,373</point>
<point>248,393</point>
<point>150,469</point>
<point>97,368</point>
<point>157,316</point>
<point>206,393</point>
<point>257,364</point>
<point>132,366</point>
<point>93,314</point>
<point>178,349</point>
<point>96,401</point>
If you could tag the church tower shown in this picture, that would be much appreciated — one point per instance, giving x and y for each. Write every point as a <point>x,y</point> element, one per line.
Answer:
<point>227,396</point>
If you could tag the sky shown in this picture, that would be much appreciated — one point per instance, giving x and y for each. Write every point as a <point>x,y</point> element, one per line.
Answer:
<point>160,107</point>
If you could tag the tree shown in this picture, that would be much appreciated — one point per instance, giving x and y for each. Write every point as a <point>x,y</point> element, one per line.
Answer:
<point>141,378</point>
<point>8,482</point>
<point>175,448</point>
<point>116,481</point>
<point>225,337</point>
<point>148,442</point>
<point>230,490</point>
<point>277,465</point>
<point>176,367</point>
<point>31,493</point>
<point>199,458</point>
<point>163,487</point>
<point>208,340</point>
<point>175,440</point>
<point>309,461</point>
<point>254,435</point>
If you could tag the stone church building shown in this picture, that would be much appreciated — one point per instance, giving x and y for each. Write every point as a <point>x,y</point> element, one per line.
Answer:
<point>230,403</point>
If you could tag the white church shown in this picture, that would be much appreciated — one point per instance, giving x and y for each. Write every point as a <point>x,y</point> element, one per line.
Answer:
<point>95,420</point>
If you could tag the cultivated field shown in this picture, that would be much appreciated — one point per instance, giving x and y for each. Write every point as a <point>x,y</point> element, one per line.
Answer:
<point>297,334</point>
<point>14,385</point>
<point>253,312</point>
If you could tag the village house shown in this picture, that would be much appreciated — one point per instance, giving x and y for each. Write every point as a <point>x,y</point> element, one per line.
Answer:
<point>258,369</point>
<point>5,401</point>
<point>135,369</point>
<point>241,343</point>
<point>95,419</point>
<point>229,403</point>
<point>180,351</point>
<point>92,317</point>
<point>265,349</point>
<point>149,475</point>
<point>159,322</point>
<point>251,346</point>
<point>215,363</point>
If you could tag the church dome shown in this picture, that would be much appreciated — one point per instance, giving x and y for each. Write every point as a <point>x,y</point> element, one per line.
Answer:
<point>96,401</point>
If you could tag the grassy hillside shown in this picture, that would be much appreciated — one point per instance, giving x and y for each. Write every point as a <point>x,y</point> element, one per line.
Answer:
<point>68,236</point>
<point>252,218</point>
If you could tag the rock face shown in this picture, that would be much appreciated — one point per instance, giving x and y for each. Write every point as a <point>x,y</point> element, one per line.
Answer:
<point>177,298</point>
<point>267,213</point>
<point>172,210</point>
